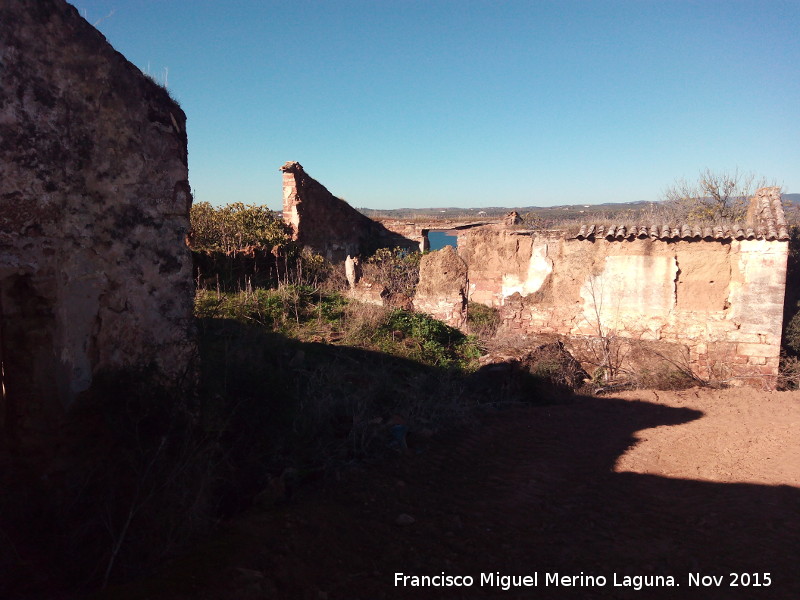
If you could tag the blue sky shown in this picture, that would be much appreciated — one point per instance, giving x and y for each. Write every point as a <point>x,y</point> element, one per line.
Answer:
<point>395,104</point>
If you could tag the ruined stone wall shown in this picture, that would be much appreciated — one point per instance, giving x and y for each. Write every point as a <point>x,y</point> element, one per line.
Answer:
<point>328,225</point>
<point>94,211</point>
<point>723,299</point>
<point>418,230</point>
<point>411,230</point>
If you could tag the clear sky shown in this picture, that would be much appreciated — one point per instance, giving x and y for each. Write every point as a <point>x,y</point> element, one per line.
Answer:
<point>398,103</point>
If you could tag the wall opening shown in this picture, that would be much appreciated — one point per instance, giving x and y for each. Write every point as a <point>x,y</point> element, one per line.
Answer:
<point>438,239</point>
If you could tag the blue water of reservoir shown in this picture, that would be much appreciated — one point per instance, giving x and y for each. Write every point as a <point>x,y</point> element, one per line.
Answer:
<point>440,239</point>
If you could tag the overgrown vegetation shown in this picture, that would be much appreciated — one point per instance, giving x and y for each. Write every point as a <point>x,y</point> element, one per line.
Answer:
<point>396,269</point>
<point>306,313</point>
<point>235,228</point>
<point>244,247</point>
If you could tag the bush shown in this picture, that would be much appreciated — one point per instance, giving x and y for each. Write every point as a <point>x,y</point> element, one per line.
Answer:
<point>427,340</point>
<point>665,377</point>
<point>234,228</point>
<point>789,378</point>
<point>791,336</point>
<point>395,269</point>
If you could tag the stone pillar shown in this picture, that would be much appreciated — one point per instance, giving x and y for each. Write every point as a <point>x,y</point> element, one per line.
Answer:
<point>442,288</point>
<point>291,200</point>
<point>352,271</point>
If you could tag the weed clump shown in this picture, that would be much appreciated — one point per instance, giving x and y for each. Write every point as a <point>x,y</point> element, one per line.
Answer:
<point>482,320</point>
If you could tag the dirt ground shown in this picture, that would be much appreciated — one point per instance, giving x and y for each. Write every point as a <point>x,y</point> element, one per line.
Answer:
<point>701,486</point>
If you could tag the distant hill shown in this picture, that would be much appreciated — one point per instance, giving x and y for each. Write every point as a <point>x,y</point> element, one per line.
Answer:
<point>499,211</point>
<point>561,212</point>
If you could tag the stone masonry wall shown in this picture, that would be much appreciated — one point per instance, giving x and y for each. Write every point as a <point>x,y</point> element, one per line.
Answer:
<point>94,211</point>
<point>442,288</point>
<point>723,300</point>
<point>418,230</point>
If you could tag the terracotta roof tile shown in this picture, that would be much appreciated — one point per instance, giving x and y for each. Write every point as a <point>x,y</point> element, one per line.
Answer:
<point>765,221</point>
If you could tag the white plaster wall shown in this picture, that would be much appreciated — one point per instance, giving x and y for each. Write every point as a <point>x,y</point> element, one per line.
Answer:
<point>539,268</point>
<point>630,292</point>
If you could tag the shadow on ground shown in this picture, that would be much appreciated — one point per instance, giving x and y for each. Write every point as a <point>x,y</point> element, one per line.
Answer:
<point>525,491</point>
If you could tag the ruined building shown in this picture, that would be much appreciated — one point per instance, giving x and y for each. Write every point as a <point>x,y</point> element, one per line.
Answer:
<point>711,298</point>
<point>717,291</point>
<point>328,225</point>
<point>94,211</point>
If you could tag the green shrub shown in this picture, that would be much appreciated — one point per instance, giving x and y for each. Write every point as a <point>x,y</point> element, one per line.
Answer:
<point>331,307</point>
<point>235,227</point>
<point>427,340</point>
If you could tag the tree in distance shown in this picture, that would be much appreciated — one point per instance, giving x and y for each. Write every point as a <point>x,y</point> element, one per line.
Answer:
<point>715,196</point>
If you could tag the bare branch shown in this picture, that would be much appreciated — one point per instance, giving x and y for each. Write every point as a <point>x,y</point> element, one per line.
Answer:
<point>715,196</point>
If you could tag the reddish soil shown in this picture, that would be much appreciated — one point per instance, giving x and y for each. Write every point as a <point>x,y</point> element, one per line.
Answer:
<point>640,484</point>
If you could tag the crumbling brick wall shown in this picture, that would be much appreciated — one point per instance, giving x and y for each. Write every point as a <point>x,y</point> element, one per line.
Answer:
<point>94,211</point>
<point>328,225</point>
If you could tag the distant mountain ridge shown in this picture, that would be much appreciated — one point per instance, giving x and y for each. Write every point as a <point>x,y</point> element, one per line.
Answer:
<point>793,198</point>
<point>542,211</point>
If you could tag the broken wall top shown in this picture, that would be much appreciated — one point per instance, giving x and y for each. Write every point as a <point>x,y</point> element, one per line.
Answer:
<point>327,224</point>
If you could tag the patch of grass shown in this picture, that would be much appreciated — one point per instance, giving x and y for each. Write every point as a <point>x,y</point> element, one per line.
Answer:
<point>482,320</point>
<point>296,309</point>
<point>309,314</point>
<point>278,403</point>
<point>280,400</point>
<point>423,338</point>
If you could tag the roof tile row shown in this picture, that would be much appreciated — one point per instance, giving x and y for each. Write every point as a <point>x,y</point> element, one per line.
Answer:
<point>767,218</point>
